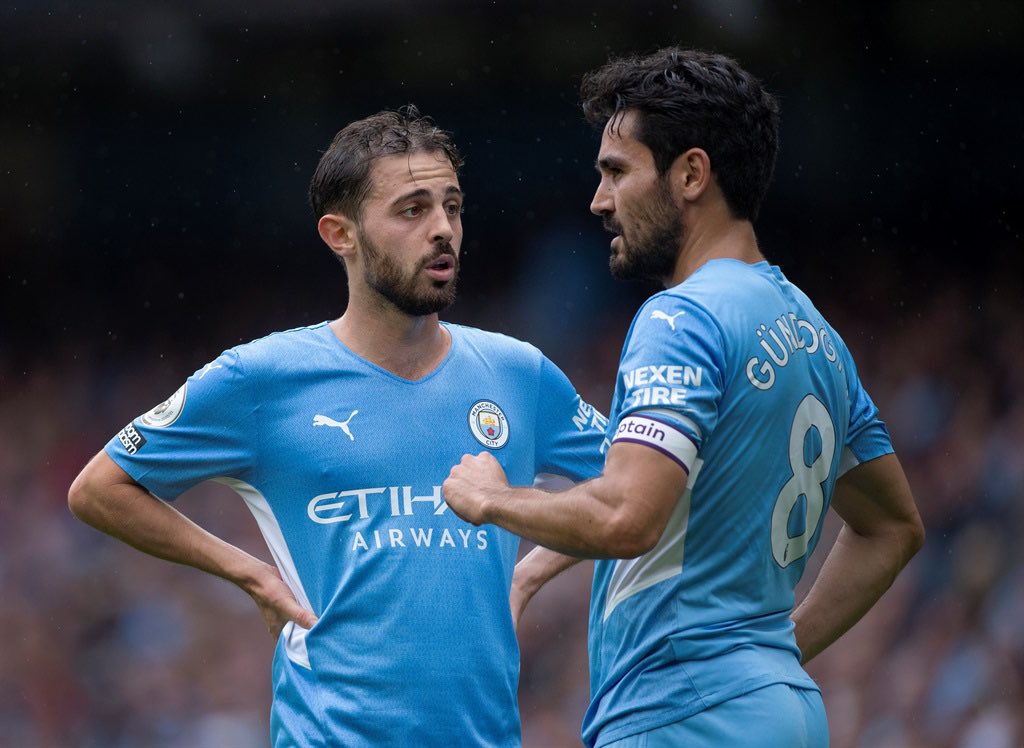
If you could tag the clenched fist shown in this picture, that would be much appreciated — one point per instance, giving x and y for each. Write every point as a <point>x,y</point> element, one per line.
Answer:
<point>472,485</point>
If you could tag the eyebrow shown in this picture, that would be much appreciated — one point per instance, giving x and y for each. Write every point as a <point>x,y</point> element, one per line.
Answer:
<point>608,162</point>
<point>423,192</point>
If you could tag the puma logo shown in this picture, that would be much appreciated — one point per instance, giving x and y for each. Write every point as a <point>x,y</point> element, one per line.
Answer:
<point>658,314</point>
<point>319,420</point>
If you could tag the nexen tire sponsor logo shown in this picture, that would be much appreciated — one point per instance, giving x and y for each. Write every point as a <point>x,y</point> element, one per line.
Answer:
<point>588,415</point>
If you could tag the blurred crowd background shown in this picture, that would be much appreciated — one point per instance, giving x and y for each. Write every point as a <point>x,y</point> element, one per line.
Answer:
<point>154,158</point>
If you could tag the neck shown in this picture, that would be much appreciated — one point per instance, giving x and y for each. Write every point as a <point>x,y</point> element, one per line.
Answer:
<point>717,238</point>
<point>408,347</point>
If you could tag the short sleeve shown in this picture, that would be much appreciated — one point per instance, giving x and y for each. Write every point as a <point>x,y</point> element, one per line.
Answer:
<point>570,432</point>
<point>204,430</point>
<point>671,378</point>
<point>867,436</point>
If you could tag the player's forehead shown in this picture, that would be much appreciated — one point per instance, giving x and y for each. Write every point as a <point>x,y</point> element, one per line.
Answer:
<point>398,173</point>
<point>619,143</point>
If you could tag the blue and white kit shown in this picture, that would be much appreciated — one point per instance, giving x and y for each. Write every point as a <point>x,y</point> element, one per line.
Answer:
<point>341,463</point>
<point>737,377</point>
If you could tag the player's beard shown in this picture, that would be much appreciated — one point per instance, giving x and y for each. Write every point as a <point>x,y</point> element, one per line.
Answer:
<point>407,292</point>
<point>649,246</point>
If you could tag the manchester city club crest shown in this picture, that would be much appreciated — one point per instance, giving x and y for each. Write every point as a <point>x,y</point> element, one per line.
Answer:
<point>488,423</point>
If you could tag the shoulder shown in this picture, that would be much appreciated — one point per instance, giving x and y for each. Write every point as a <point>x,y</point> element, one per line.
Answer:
<point>669,312</point>
<point>719,282</point>
<point>714,286</point>
<point>494,345</point>
<point>726,296</point>
<point>284,349</point>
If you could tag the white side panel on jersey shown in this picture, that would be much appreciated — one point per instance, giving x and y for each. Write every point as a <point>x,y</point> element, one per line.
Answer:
<point>663,561</point>
<point>294,636</point>
<point>847,460</point>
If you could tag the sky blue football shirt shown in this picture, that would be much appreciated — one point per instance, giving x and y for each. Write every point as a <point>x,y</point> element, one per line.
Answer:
<point>341,463</point>
<point>736,376</point>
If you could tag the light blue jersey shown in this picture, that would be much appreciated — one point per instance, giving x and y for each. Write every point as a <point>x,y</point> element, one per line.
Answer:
<point>736,376</point>
<point>341,463</point>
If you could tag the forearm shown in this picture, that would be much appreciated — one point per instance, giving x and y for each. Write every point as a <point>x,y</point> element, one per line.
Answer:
<point>882,531</point>
<point>619,514</point>
<point>130,514</point>
<point>580,522</point>
<point>856,573</point>
<point>538,567</point>
<point>104,496</point>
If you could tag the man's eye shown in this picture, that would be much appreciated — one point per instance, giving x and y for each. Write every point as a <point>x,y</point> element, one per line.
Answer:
<point>411,212</point>
<point>454,209</point>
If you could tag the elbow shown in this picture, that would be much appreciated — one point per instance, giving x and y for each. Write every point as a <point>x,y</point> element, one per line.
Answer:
<point>82,497</point>
<point>629,536</point>
<point>902,540</point>
<point>913,538</point>
<point>78,497</point>
<point>98,495</point>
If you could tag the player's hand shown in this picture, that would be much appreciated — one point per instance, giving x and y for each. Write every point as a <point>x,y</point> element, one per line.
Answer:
<point>474,482</point>
<point>277,604</point>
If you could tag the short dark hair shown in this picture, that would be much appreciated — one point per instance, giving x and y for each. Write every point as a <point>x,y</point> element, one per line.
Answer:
<point>686,98</point>
<point>342,178</point>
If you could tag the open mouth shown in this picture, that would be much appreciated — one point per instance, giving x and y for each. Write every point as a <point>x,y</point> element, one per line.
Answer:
<point>443,268</point>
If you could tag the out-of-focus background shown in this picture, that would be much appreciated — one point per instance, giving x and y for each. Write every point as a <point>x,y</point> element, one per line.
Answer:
<point>154,158</point>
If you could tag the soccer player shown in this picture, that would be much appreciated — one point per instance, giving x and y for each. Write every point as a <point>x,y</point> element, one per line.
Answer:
<point>738,419</point>
<point>391,614</point>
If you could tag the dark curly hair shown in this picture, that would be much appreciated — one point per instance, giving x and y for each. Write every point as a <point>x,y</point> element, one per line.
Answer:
<point>342,178</point>
<point>686,98</point>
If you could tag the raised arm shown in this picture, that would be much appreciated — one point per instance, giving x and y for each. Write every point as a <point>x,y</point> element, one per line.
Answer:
<point>620,514</point>
<point>105,497</point>
<point>882,531</point>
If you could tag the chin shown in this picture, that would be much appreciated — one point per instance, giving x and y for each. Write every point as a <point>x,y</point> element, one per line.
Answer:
<point>620,267</point>
<point>439,301</point>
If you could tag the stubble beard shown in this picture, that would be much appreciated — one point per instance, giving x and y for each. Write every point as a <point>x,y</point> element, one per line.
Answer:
<point>655,237</point>
<point>406,292</point>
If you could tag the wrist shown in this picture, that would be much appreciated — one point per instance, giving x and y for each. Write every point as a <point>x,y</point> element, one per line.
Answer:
<point>249,573</point>
<point>492,503</point>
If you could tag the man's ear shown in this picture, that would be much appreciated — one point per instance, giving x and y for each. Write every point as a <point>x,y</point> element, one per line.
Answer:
<point>339,233</point>
<point>690,174</point>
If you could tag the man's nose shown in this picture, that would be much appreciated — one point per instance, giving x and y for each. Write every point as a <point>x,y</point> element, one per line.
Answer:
<point>441,230</point>
<point>602,204</point>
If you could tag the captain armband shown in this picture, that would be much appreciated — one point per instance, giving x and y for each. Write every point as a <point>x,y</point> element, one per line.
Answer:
<point>664,437</point>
